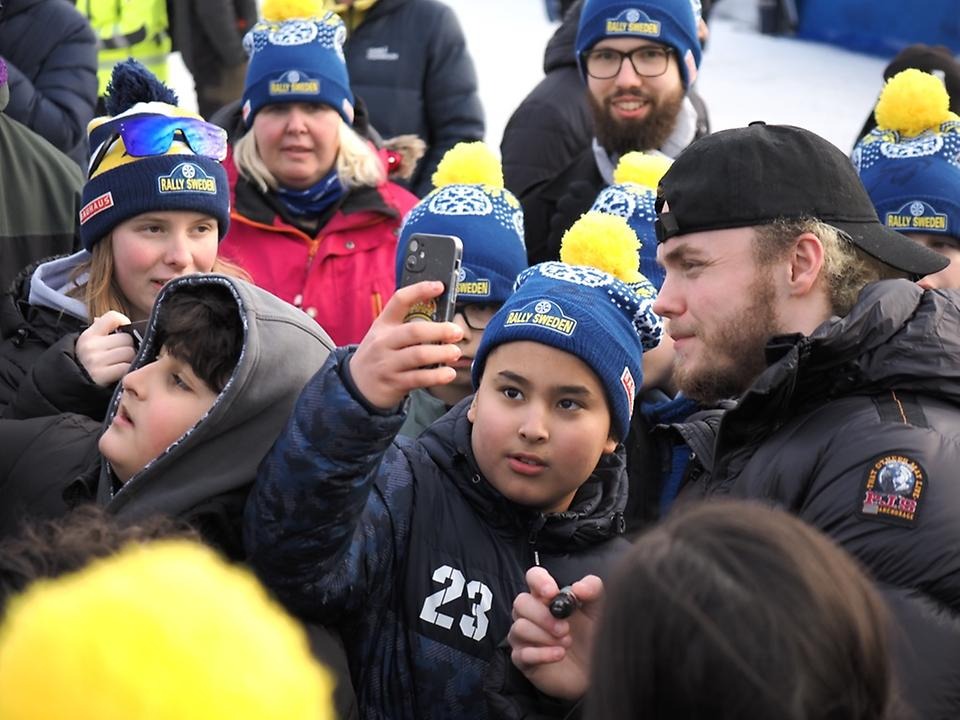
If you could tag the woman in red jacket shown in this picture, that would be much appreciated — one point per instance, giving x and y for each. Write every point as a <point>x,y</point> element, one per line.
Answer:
<point>315,220</point>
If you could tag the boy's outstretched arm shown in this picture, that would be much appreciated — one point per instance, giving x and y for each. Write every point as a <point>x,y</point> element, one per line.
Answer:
<point>396,357</point>
<point>555,654</point>
<point>329,514</point>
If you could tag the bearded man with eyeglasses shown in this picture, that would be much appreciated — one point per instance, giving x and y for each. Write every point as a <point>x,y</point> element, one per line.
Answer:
<point>638,60</point>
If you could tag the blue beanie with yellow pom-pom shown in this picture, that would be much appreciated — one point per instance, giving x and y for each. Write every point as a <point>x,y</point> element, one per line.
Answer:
<point>633,197</point>
<point>296,55</point>
<point>593,304</point>
<point>470,202</point>
<point>910,163</point>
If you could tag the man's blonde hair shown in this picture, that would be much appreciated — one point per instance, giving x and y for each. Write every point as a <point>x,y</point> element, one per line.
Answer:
<point>846,268</point>
<point>358,164</point>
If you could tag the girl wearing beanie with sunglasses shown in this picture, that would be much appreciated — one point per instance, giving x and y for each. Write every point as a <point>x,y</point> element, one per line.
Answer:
<point>314,218</point>
<point>154,207</point>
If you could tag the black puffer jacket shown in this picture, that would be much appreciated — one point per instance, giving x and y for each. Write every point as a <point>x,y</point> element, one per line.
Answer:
<point>365,533</point>
<point>39,374</point>
<point>856,430</point>
<point>408,60</point>
<point>51,54</point>
<point>553,122</point>
<point>553,205</point>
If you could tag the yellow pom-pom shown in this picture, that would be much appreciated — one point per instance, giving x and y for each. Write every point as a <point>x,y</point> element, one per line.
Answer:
<point>913,101</point>
<point>159,631</point>
<point>469,164</point>
<point>279,10</point>
<point>605,242</point>
<point>642,169</point>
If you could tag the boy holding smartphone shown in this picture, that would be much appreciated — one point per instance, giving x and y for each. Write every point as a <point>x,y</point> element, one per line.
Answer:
<point>470,203</point>
<point>415,549</point>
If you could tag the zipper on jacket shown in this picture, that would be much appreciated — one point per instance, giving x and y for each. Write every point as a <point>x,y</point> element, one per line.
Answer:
<point>532,536</point>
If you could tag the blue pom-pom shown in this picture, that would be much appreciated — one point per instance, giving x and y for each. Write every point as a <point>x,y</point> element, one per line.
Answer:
<point>132,83</point>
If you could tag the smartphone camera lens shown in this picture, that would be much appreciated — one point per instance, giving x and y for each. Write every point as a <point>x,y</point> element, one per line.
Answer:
<point>412,262</point>
<point>414,246</point>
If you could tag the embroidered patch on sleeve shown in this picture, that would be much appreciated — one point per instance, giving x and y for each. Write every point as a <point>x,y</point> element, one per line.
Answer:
<point>892,490</point>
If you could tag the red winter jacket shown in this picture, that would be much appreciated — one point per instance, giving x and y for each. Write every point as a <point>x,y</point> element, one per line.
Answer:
<point>343,276</point>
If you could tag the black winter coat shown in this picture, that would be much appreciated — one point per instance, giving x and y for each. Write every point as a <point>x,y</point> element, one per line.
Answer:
<point>39,459</point>
<point>51,55</point>
<point>551,207</point>
<point>856,430</point>
<point>408,60</point>
<point>39,199</point>
<point>553,122</point>
<point>39,374</point>
<point>406,547</point>
<point>209,34</point>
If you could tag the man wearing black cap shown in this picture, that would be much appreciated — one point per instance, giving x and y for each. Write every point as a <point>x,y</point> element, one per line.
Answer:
<point>784,291</point>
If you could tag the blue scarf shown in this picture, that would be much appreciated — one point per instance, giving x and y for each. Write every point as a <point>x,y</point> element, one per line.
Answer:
<point>315,199</point>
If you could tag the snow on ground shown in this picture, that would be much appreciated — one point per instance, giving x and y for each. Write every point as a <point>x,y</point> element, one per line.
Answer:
<point>744,76</point>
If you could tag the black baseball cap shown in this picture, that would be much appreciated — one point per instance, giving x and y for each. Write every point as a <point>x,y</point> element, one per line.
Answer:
<point>760,173</point>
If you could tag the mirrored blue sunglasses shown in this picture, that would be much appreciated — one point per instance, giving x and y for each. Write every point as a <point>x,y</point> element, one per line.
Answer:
<point>153,134</point>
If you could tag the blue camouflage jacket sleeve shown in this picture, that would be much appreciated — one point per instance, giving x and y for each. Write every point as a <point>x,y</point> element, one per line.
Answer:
<point>327,520</point>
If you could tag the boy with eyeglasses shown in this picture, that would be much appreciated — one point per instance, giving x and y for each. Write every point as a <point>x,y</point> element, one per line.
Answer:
<point>468,201</point>
<point>638,60</point>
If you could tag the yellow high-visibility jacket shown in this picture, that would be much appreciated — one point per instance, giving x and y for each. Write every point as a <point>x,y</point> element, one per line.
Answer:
<point>129,28</point>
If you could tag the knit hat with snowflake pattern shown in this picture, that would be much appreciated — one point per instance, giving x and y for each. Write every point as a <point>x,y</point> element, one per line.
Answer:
<point>470,202</point>
<point>633,196</point>
<point>296,55</point>
<point>593,304</point>
<point>910,163</point>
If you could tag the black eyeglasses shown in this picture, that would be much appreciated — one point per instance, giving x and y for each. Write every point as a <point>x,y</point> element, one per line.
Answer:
<point>647,61</point>
<point>476,315</point>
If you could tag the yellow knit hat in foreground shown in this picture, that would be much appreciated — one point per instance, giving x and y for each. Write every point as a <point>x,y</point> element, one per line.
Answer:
<point>161,631</point>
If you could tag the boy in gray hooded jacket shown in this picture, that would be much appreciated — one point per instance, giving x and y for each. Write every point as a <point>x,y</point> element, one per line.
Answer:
<point>219,368</point>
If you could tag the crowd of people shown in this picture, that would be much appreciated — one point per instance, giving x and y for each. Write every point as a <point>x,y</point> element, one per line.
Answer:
<point>684,450</point>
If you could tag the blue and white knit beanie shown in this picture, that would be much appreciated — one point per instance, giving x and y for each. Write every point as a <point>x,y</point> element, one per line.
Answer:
<point>633,196</point>
<point>910,163</point>
<point>296,55</point>
<point>594,304</point>
<point>670,22</point>
<point>470,202</point>
<point>122,185</point>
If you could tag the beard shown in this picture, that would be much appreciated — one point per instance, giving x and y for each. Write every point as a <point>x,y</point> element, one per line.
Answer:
<point>618,136</point>
<point>733,353</point>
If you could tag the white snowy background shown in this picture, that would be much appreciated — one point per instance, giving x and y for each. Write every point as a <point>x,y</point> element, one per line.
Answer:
<point>744,76</point>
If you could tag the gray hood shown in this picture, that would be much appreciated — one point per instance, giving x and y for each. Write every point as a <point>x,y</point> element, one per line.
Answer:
<point>50,283</point>
<point>282,348</point>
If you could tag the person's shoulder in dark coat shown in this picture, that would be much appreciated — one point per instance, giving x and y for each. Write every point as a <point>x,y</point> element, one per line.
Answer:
<point>554,204</point>
<point>38,202</point>
<point>552,124</point>
<point>51,55</point>
<point>409,61</point>
<point>39,459</point>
